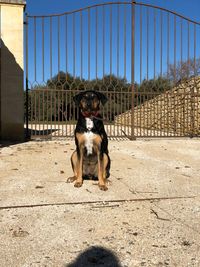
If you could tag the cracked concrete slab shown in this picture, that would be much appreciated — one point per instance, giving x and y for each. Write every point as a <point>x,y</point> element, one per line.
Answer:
<point>95,228</point>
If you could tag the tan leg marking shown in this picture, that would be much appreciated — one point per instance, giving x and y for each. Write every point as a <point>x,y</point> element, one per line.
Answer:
<point>74,160</point>
<point>101,164</point>
<point>79,180</point>
<point>105,163</point>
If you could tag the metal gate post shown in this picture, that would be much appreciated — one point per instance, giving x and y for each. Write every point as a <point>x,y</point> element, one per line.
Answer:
<point>132,68</point>
<point>192,114</point>
<point>26,62</point>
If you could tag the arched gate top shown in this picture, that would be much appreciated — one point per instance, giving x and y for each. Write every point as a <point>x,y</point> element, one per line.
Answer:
<point>116,3</point>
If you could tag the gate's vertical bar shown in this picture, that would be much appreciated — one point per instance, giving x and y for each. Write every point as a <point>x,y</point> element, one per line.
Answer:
<point>103,44</point>
<point>156,96</point>
<point>154,44</point>
<point>141,47</point>
<point>27,100</point>
<point>188,93</point>
<point>141,58</point>
<point>74,69</point>
<point>35,50</point>
<point>81,46</point>
<point>39,111</point>
<point>161,43</point>
<point>168,45</point>
<point>43,107</point>
<point>66,44</point>
<point>58,48</point>
<point>43,71</point>
<point>35,72</point>
<point>62,111</point>
<point>66,78</point>
<point>175,79</point>
<point>0,64</point>
<point>105,110</point>
<point>74,45</point>
<point>147,26</point>
<point>35,110</point>
<point>111,40</point>
<point>194,88</point>
<point>118,89</point>
<point>96,41</point>
<point>125,121</point>
<point>66,114</point>
<point>175,75</point>
<point>51,62</point>
<point>59,79</point>
<point>197,93</point>
<point>43,74</point>
<point>162,109</point>
<point>57,99</point>
<point>81,56</point>
<point>88,45</point>
<point>55,111</point>
<point>154,67</point>
<point>47,109</point>
<point>181,76</point>
<point>132,67</point>
<point>147,95</point>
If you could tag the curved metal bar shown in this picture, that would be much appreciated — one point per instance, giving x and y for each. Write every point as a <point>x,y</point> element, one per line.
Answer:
<point>169,11</point>
<point>116,3</point>
<point>82,9</point>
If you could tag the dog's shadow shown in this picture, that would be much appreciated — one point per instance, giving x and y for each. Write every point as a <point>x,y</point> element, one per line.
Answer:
<point>96,256</point>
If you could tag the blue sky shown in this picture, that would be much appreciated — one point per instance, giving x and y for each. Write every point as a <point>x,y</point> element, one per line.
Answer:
<point>116,58</point>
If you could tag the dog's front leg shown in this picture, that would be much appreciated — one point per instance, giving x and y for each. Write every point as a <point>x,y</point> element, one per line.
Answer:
<point>79,180</point>
<point>101,173</point>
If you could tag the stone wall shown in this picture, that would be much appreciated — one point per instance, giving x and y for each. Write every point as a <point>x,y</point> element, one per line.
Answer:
<point>11,70</point>
<point>176,111</point>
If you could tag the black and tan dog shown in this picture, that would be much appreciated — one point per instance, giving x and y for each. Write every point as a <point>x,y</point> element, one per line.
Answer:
<point>90,159</point>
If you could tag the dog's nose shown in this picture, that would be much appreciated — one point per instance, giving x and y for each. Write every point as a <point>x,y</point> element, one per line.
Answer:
<point>89,104</point>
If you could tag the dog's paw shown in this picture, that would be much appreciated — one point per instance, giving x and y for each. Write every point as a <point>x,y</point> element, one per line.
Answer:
<point>78,184</point>
<point>103,187</point>
<point>71,179</point>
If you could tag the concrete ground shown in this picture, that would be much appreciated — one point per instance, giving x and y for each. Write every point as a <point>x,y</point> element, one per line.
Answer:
<point>150,215</point>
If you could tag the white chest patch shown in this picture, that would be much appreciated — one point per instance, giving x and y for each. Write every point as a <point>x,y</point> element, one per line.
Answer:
<point>89,124</point>
<point>89,136</point>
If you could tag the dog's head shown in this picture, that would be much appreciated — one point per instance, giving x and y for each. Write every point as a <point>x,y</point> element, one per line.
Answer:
<point>89,101</point>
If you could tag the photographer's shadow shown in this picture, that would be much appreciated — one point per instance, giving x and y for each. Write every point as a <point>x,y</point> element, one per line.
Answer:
<point>96,256</point>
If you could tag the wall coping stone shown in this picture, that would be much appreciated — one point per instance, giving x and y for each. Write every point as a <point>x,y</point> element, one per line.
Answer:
<point>16,2</point>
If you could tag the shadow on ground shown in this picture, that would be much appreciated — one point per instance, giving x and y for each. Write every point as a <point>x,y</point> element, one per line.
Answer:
<point>10,143</point>
<point>7,143</point>
<point>96,256</point>
<point>37,133</point>
<point>42,132</point>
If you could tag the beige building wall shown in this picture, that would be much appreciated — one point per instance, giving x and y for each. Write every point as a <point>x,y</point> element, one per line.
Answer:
<point>11,72</point>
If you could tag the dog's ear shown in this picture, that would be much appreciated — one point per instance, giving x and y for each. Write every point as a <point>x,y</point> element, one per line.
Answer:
<point>77,98</point>
<point>102,98</point>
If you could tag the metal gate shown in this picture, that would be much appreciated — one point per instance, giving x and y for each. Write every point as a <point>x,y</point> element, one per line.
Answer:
<point>144,58</point>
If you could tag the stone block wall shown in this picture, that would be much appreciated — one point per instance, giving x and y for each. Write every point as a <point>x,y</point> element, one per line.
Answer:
<point>11,70</point>
<point>176,111</point>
